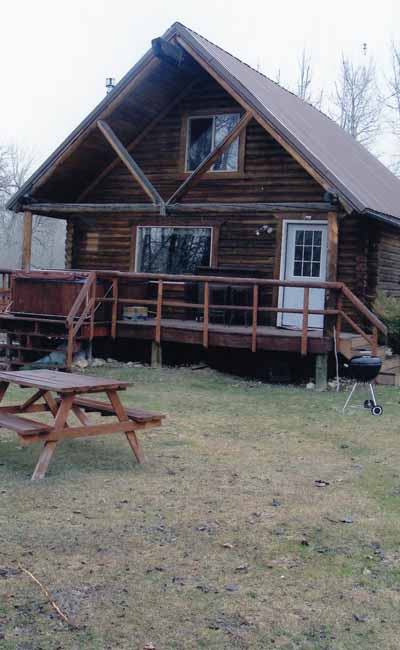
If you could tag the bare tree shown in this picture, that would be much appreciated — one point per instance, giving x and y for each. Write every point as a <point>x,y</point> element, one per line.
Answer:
<point>15,164</point>
<point>305,81</point>
<point>356,101</point>
<point>393,100</point>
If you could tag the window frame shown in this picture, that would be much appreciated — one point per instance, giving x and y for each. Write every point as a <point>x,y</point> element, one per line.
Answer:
<point>186,227</point>
<point>226,173</point>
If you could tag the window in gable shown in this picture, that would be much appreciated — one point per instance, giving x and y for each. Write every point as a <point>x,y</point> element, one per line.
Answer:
<point>204,134</point>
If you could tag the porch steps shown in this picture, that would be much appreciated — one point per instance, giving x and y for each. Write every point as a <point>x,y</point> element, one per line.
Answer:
<point>390,373</point>
<point>353,345</point>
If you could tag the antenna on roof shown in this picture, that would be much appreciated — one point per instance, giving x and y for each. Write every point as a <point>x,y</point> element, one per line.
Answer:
<point>365,47</point>
<point>110,84</point>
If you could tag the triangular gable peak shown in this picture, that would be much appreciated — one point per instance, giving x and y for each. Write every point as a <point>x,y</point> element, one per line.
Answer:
<point>332,157</point>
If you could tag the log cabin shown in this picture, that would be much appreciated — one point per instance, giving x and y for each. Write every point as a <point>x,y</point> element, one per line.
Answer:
<point>206,205</point>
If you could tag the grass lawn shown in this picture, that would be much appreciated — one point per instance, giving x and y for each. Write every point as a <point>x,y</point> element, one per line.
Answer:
<point>222,539</point>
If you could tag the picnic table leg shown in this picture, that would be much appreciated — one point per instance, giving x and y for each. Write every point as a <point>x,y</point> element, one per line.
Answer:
<point>50,445</point>
<point>122,417</point>
<point>44,460</point>
<point>3,389</point>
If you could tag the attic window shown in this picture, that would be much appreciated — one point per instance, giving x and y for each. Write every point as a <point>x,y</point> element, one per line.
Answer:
<point>204,134</point>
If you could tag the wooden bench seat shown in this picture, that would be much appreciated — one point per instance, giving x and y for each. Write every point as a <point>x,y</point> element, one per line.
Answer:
<point>98,406</point>
<point>21,425</point>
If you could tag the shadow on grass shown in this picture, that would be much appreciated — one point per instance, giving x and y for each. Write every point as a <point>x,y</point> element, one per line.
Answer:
<point>87,456</point>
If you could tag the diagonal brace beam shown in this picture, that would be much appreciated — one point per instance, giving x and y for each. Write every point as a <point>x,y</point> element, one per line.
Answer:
<point>130,163</point>
<point>211,158</point>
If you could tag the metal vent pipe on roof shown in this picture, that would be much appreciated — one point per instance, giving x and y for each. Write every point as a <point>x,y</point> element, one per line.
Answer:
<point>110,84</point>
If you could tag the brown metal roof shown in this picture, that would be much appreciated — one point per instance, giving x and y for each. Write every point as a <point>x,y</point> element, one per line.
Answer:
<point>348,169</point>
<point>354,173</point>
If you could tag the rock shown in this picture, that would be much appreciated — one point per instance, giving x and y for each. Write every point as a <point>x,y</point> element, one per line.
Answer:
<point>310,385</point>
<point>114,361</point>
<point>81,363</point>
<point>232,587</point>
<point>98,363</point>
<point>332,385</point>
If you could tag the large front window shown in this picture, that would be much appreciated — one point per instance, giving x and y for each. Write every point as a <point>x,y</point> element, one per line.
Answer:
<point>206,133</point>
<point>172,250</point>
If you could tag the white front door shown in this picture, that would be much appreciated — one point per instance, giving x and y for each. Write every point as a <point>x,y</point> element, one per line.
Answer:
<point>304,254</point>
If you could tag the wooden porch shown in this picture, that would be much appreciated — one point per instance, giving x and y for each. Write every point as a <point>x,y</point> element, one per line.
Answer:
<point>47,311</point>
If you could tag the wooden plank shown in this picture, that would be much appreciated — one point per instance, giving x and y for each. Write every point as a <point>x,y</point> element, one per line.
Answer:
<point>61,381</point>
<point>114,308</point>
<point>206,314</point>
<point>27,241</point>
<point>254,323</point>
<point>216,231</point>
<point>44,460</point>
<point>103,408</point>
<point>333,240</point>
<point>75,209</point>
<point>304,334</point>
<point>122,417</point>
<point>132,249</point>
<point>159,311</point>
<point>210,159</point>
<point>130,163</point>
<point>22,425</point>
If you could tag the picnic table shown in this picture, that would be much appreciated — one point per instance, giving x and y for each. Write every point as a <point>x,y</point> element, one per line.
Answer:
<point>60,394</point>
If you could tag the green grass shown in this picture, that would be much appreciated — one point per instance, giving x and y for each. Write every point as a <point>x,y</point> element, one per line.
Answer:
<point>136,555</point>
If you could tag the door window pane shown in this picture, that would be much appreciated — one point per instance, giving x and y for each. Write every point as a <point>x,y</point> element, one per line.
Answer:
<point>315,269</point>
<point>200,141</point>
<point>297,268</point>
<point>307,253</point>
<point>172,250</point>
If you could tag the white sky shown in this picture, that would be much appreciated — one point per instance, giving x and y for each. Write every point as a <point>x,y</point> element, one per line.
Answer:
<point>56,55</point>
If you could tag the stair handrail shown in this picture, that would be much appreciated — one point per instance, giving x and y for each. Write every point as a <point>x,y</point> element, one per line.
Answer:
<point>81,297</point>
<point>367,313</point>
<point>89,287</point>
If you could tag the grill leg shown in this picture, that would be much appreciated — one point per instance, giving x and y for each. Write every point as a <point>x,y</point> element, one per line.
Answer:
<point>372,394</point>
<point>350,396</point>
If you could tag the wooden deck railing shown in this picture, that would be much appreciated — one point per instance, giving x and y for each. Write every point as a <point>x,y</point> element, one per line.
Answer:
<point>340,306</point>
<point>5,289</point>
<point>337,291</point>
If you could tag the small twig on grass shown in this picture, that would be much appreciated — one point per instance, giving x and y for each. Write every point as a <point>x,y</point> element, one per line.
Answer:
<point>48,596</point>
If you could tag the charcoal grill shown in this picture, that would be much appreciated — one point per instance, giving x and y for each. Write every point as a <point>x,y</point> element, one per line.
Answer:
<point>364,370</point>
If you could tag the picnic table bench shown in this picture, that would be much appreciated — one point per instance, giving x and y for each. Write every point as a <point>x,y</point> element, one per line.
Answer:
<point>61,394</point>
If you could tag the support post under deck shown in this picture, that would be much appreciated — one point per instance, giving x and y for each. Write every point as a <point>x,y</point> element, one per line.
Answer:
<point>321,371</point>
<point>156,355</point>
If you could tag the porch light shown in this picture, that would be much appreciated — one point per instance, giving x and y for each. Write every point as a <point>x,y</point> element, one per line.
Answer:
<point>264,230</point>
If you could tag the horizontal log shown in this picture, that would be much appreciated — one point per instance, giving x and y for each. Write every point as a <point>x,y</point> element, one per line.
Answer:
<point>59,209</point>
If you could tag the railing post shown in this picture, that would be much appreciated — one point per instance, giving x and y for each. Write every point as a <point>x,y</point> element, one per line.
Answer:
<point>93,308</point>
<point>70,345</point>
<point>114,308</point>
<point>338,327</point>
<point>255,315</point>
<point>206,314</point>
<point>159,311</point>
<point>304,333</point>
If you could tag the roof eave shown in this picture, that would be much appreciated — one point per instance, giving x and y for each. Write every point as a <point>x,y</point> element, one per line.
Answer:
<point>348,200</point>
<point>381,216</point>
<point>14,202</point>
